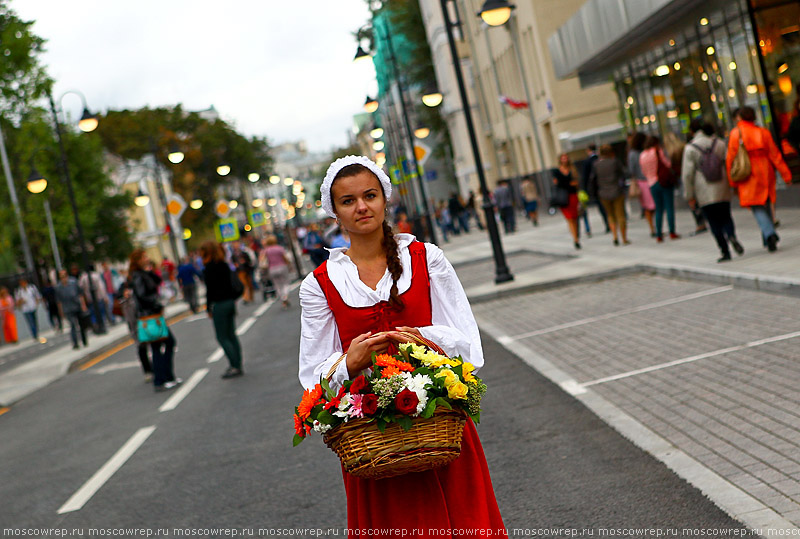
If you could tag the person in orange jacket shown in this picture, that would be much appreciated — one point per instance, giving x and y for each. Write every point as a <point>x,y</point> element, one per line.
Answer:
<point>757,192</point>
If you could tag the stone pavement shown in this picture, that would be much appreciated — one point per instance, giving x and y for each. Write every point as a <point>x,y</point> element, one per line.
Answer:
<point>691,360</point>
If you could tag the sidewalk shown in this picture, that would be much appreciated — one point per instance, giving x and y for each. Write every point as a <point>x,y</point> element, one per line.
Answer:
<point>664,344</point>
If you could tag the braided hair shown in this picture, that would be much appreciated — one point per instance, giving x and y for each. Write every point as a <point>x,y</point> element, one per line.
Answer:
<point>389,244</point>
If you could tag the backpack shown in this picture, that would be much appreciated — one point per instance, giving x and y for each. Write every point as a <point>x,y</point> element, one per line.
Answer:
<point>710,163</point>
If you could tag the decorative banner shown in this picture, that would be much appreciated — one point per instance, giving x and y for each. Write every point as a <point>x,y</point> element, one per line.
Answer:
<point>396,175</point>
<point>176,205</point>
<point>226,230</point>
<point>222,209</point>
<point>256,218</point>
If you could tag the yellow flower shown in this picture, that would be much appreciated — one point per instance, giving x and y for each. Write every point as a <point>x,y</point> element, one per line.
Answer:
<point>449,376</point>
<point>457,391</point>
<point>466,372</point>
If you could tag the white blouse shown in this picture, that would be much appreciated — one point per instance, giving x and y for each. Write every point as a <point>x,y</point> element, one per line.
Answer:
<point>453,324</point>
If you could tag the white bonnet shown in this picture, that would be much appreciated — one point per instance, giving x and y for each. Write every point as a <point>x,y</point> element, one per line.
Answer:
<point>339,164</point>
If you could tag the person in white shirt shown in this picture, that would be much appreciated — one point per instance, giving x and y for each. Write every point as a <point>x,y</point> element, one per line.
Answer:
<point>27,298</point>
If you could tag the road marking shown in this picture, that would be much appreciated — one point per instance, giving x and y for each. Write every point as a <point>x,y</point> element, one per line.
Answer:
<point>691,359</point>
<point>247,324</point>
<point>261,310</point>
<point>107,355</point>
<point>184,390</point>
<point>216,356</point>
<point>573,387</point>
<point>197,317</point>
<point>4,409</point>
<point>116,367</point>
<point>649,306</point>
<point>84,494</point>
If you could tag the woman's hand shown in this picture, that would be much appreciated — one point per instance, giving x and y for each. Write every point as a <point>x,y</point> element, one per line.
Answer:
<point>359,355</point>
<point>397,337</point>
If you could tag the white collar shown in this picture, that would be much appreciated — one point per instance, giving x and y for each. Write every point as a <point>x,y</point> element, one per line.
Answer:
<point>338,256</point>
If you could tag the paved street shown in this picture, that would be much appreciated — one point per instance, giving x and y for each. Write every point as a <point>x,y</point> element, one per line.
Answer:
<point>633,399</point>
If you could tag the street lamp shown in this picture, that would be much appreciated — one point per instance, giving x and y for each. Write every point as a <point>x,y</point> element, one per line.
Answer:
<point>142,199</point>
<point>253,177</point>
<point>376,133</point>
<point>433,99</point>
<point>361,54</point>
<point>496,12</point>
<point>502,273</point>
<point>370,105</point>
<point>175,155</point>
<point>36,182</point>
<point>422,132</point>
<point>223,170</point>
<point>88,123</point>
<point>196,203</point>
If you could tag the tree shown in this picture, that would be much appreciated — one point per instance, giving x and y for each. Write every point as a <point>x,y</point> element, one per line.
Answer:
<point>206,144</point>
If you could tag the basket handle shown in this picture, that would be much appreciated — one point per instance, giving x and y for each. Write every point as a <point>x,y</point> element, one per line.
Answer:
<point>419,339</point>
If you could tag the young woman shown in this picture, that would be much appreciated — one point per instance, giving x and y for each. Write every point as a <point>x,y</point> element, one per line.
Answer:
<point>384,283</point>
<point>144,282</point>
<point>664,196</point>
<point>221,304</point>
<point>277,262</point>
<point>7,317</point>
<point>607,179</point>
<point>648,205</point>
<point>566,177</point>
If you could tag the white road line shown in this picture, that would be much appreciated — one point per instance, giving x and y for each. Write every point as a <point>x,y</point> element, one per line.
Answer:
<point>261,310</point>
<point>615,314</point>
<point>692,359</point>
<point>184,390</point>
<point>116,367</point>
<point>247,324</point>
<point>84,494</point>
<point>197,317</point>
<point>218,354</point>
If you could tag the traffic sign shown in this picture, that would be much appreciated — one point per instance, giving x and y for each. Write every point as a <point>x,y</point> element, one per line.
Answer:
<point>222,208</point>
<point>176,205</point>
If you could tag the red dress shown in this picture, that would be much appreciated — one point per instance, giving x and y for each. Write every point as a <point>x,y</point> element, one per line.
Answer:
<point>458,496</point>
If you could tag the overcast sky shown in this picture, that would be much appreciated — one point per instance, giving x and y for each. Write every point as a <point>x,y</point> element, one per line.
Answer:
<point>276,68</point>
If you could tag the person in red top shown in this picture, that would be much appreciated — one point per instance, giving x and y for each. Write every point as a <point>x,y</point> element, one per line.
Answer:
<point>403,226</point>
<point>385,283</point>
<point>757,192</point>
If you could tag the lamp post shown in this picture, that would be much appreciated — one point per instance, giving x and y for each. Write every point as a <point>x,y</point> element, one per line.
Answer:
<point>502,273</point>
<point>37,183</point>
<point>409,133</point>
<point>162,196</point>
<point>26,248</point>
<point>87,123</point>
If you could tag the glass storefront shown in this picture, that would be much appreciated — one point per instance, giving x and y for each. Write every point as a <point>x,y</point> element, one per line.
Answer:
<point>713,65</point>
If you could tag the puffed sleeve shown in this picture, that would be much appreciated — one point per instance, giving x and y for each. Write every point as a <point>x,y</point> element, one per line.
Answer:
<point>454,327</point>
<point>320,346</point>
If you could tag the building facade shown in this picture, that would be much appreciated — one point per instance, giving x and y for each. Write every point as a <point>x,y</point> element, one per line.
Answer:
<point>674,60</point>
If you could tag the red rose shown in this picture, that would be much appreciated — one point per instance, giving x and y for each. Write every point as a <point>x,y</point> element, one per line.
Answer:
<point>406,402</point>
<point>358,385</point>
<point>369,404</point>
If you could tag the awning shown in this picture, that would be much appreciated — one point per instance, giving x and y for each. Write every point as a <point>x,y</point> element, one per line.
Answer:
<point>605,32</point>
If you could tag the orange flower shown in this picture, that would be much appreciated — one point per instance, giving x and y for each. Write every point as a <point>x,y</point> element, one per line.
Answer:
<point>390,371</point>
<point>299,427</point>
<point>309,400</point>
<point>404,366</point>
<point>384,360</point>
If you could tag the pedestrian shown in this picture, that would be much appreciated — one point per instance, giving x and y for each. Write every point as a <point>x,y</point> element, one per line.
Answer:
<point>443,219</point>
<point>472,209</point>
<point>588,164</point>
<point>109,275</point>
<point>657,168</point>
<point>49,295</point>
<point>128,304</point>
<point>145,284</point>
<point>340,239</point>
<point>635,147</point>
<point>385,282</point>
<point>607,179</point>
<point>221,304</point>
<point>167,274</point>
<point>315,245</point>
<point>458,214</point>
<point>100,311</point>
<point>757,190</point>
<point>403,226</point>
<point>72,305</point>
<point>244,270</point>
<point>705,185</point>
<point>27,299</point>
<point>530,198</point>
<point>566,177</point>
<point>7,316</point>
<point>278,266</point>
<point>186,278</point>
<point>504,200</point>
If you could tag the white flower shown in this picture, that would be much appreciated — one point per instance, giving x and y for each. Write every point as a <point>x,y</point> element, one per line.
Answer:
<point>321,427</point>
<point>417,384</point>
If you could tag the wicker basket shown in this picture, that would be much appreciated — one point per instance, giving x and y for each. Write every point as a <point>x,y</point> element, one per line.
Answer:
<point>369,453</point>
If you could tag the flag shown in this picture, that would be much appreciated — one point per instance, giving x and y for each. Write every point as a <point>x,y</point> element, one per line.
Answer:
<point>514,104</point>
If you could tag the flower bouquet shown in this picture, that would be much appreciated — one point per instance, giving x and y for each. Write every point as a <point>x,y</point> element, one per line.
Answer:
<point>406,415</point>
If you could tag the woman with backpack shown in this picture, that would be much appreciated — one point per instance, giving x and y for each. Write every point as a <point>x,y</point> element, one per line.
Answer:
<point>657,168</point>
<point>756,182</point>
<point>705,185</point>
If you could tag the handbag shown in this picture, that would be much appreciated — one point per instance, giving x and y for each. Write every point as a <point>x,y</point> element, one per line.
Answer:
<point>634,191</point>
<point>559,198</point>
<point>740,167</point>
<point>152,328</point>
<point>666,177</point>
<point>237,287</point>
